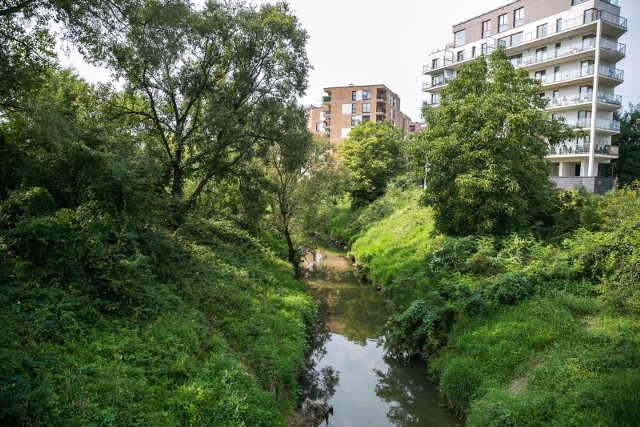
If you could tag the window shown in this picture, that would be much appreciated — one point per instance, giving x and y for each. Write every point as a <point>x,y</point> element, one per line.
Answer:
<point>435,99</point>
<point>584,118</point>
<point>516,60</point>
<point>589,15</point>
<point>542,30</point>
<point>518,17</point>
<point>355,120</point>
<point>366,107</point>
<point>541,75</point>
<point>558,25</point>
<point>558,52</point>
<point>586,68</point>
<point>556,74</point>
<point>541,54</point>
<point>460,55</point>
<point>588,41</point>
<point>354,95</point>
<point>353,108</point>
<point>517,39</point>
<point>503,21</point>
<point>555,100</point>
<point>554,117</point>
<point>505,41</point>
<point>435,63</point>
<point>319,127</point>
<point>460,38</point>
<point>575,2</point>
<point>366,118</point>
<point>366,95</point>
<point>484,49</point>
<point>473,52</point>
<point>486,28</point>
<point>586,93</point>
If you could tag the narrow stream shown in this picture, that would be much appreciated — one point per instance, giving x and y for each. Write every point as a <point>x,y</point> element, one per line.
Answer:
<point>348,367</point>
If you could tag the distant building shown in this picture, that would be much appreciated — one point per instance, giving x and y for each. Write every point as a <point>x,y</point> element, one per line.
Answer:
<point>416,127</point>
<point>316,120</point>
<point>572,47</point>
<point>345,106</point>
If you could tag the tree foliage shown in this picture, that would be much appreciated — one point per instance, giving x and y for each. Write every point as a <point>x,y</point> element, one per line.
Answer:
<point>208,84</point>
<point>373,154</point>
<point>486,145</point>
<point>627,167</point>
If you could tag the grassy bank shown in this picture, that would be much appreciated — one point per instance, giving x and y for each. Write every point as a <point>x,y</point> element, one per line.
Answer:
<point>518,330</point>
<point>142,326</point>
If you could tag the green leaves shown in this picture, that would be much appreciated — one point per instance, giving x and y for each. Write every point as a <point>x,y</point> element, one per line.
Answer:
<point>372,154</point>
<point>486,145</point>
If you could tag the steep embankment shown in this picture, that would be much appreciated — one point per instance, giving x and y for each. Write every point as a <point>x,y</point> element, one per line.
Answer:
<point>518,331</point>
<point>136,325</point>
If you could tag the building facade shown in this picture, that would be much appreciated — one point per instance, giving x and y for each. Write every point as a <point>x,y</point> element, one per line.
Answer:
<point>345,106</point>
<point>572,47</point>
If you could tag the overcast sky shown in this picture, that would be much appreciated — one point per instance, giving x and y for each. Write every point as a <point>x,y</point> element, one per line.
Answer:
<point>387,41</point>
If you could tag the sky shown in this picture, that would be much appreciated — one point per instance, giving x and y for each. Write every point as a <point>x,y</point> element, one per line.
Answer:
<point>387,42</point>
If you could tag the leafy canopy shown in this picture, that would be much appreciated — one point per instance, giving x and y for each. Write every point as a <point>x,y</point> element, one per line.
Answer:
<point>372,154</point>
<point>486,145</point>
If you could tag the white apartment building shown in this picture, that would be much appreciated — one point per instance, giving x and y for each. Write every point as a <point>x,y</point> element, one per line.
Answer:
<point>572,47</point>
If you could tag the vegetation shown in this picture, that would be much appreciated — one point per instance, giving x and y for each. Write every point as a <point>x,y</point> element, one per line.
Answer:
<point>486,144</point>
<point>372,155</point>
<point>519,329</point>
<point>627,167</point>
<point>130,293</point>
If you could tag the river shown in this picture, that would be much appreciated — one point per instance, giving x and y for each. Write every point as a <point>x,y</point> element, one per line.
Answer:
<point>348,367</point>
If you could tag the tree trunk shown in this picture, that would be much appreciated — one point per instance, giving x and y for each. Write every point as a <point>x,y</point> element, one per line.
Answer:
<point>293,258</point>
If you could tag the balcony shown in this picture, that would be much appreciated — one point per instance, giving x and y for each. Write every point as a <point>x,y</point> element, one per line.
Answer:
<point>566,75</point>
<point>612,2</point>
<point>381,110</point>
<point>435,83</point>
<point>606,125</point>
<point>596,185</point>
<point>569,149</point>
<point>609,98</point>
<point>327,112</point>
<point>611,73</point>
<point>580,98</point>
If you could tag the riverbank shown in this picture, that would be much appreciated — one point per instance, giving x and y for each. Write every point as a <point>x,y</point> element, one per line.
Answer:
<point>517,330</point>
<point>208,327</point>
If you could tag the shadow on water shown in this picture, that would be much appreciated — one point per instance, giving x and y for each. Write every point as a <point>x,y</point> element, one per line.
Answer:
<point>347,365</point>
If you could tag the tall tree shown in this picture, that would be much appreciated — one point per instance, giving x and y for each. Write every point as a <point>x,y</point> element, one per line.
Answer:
<point>372,154</point>
<point>208,84</point>
<point>292,164</point>
<point>486,145</point>
<point>627,167</point>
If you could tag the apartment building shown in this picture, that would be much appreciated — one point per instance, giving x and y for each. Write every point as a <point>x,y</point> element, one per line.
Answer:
<point>344,107</point>
<point>316,120</point>
<point>572,47</point>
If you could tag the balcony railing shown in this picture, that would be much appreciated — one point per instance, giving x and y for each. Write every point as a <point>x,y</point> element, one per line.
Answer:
<point>602,124</point>
<point>435,83</point>
<point>609,98</point>
<point>612,2</point>
<point>578,98</point>
<point>613,46</point>
<point>561,76</point>
<point>612,73</point>
<point>610,125</point>
<point>613,19</point>
<point>571,149</point>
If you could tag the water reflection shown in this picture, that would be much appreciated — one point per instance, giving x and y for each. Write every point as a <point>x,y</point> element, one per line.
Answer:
<point>347,365</point>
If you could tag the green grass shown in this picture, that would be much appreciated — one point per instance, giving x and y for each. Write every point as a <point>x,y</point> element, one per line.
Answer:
<point>518,331</point>
<point>212,333</point>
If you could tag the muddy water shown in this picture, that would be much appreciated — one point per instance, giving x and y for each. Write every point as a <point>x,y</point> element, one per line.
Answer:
<point>348,367</point>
